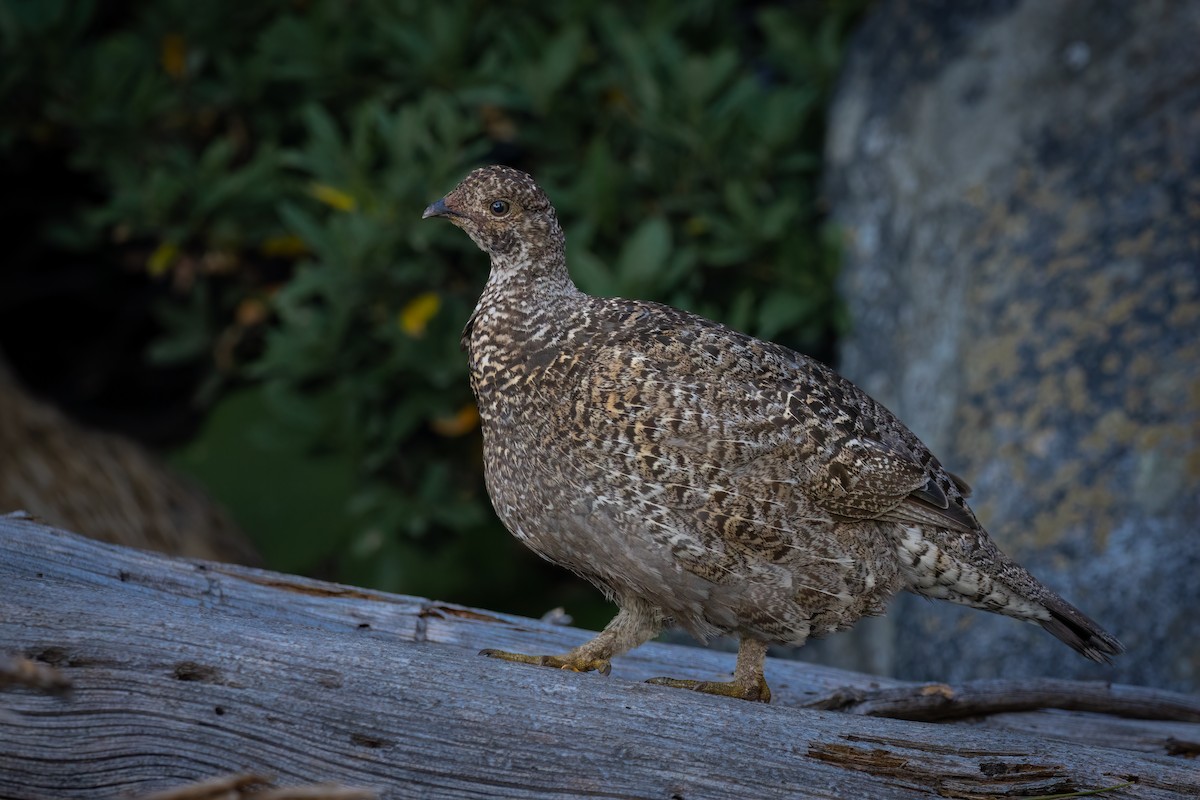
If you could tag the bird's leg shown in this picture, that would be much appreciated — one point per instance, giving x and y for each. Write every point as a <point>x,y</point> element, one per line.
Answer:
<point>633,625</point>
<point>748,682</point>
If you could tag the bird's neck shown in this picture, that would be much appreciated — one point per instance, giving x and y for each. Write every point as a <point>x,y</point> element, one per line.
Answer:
<point>523,303</point>
<point>523,312</point>
<point>521,284</point>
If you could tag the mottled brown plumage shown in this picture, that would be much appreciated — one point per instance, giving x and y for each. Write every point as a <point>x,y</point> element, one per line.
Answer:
<point>701,476</point>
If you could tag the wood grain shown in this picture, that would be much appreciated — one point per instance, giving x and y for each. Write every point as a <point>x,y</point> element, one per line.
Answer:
<point>181,671</point>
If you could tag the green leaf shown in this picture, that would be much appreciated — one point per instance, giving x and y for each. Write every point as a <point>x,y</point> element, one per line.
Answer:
<point>559,60</point>
<point>306,226</point>
<point>779,311</point>
<point>643,257</point>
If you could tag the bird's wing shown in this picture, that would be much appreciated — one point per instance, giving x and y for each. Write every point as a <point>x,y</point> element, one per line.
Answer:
<point>872,465</point>
<point>868,479</point>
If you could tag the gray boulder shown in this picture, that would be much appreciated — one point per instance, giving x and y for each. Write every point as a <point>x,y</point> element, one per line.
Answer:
<point>1019,186</point>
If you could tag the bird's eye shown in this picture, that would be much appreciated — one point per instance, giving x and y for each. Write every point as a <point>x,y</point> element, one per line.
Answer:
<point>499,207</point>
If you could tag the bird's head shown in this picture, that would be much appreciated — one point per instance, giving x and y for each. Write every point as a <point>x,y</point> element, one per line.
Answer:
<point>506,214</point>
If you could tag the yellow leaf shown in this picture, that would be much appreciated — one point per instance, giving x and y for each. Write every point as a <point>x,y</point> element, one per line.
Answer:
<point>463,421</point>
<point>173,55</point>
<point>331,196</point>
<point>415,315</point>
<point>285,246</point>
<point>162,259</point>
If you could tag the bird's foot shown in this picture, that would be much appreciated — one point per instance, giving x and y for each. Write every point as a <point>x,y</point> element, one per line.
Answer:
<point>742,690</point>
<point>568,661</point>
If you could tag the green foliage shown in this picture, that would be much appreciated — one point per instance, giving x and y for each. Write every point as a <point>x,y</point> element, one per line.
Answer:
<point>270,160</point>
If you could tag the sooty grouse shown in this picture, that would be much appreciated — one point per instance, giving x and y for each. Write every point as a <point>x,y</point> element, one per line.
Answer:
<point>698,475</point>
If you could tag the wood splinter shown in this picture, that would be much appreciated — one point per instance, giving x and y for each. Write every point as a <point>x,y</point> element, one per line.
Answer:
<point>938,701</point>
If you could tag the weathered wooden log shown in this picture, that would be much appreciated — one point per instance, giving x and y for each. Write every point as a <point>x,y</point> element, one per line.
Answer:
<point>181,671</point>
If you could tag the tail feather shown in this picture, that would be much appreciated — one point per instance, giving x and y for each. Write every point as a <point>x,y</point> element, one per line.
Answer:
<point>1078,631</point>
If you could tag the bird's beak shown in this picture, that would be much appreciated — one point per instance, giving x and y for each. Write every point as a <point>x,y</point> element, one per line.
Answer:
<point>437,209</point>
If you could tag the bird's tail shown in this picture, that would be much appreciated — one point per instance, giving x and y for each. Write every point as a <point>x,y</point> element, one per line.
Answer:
<point>1039,604</point>
<point>1002,587</point>
<point>1077,630</point>
<point>1061,619</point>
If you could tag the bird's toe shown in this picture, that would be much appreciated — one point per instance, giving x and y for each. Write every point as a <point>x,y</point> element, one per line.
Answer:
<point>569,662</point>
<point>741,690</point>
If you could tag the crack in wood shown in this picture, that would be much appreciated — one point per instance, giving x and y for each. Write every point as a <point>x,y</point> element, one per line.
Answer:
<point>958,776</point>
<point>370,742</point>
<point>303,587</point>
<point>442,611</point>
<point>1182,747</point>
<point>200,673</point>
<point>930,747</point>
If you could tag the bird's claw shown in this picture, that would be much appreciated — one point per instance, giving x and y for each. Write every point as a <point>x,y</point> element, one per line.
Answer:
<point>758,691</point>
<point>568,662</point>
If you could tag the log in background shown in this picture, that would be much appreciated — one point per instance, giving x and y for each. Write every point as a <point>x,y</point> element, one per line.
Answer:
<point>181,670</point>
